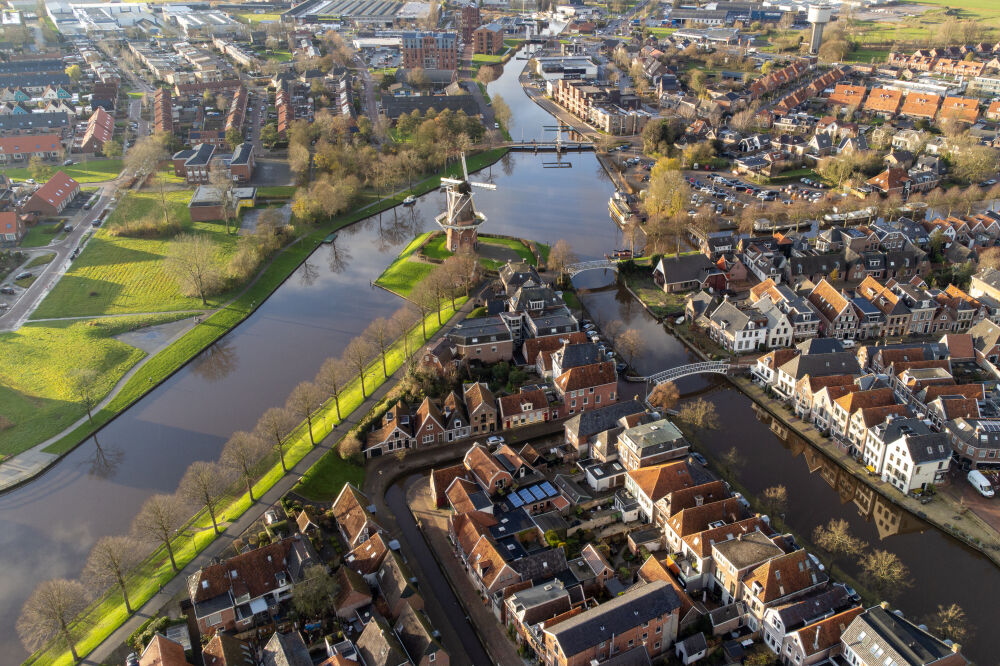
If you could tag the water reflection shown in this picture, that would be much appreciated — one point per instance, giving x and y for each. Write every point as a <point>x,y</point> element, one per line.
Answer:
<point>872,506</point>
<point>106,459</point>
<point>338,257</point>
<point>216,362</point>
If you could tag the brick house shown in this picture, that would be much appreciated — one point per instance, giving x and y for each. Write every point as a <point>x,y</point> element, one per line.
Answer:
<point>526,407</point>
<point>395,433</point>
<point>485,339</point>
<point>228,596</point>
<point>648,484</point>
<point>430,50</point>
<point>485,469</point>
<point>481,407</point>
<point>488,39</point>
<point>644,617</point>
<point>837,316</point>
<point>51,198</point>
<point>193,164</point>
<point>100,130</point>
<point>587,387</point>
<point>242,163</point>
<point>355,522</point>
<point>428,424</point>
<point>11,228</point>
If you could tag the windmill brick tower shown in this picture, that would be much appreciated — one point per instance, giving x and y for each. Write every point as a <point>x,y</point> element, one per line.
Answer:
<point>461,221</point>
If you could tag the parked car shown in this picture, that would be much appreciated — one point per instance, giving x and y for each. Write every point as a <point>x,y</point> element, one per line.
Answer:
<point>7,290</point>
<point>698,458</point>
<point>67,228</point>
<point>23,276</point>
<point>68,163</point>
<point>494,440</point>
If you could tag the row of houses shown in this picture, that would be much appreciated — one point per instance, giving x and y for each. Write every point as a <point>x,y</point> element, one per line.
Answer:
<point>727,569</point>
<point>888,102</point>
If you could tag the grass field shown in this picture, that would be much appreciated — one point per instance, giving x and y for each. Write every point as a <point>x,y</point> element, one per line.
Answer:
<point>93,171</point>
<point>116,275</point>
<point>36,368</point>
<point>276,191</point>
<point>484,59</point>
<point>923,29</point>
<point>40,235</point>
<point>436,249</point>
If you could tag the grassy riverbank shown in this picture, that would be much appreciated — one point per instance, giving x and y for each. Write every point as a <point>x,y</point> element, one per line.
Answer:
<point>327,477</point>
<point>171,359</point>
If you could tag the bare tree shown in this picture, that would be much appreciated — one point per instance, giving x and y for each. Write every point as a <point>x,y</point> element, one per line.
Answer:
<point>111,561</point>
<point>303,401</point>
<point>664,396</point>
<point>560,256</point>
<point>191,261</point>
<point>733,460</point>
<point>219,179</point>
<point>332,377</point>
<point>159,519</point>
<point>359,354</point>
<point>403,320</point>
<point>274,426</point>
<point>242,454</point>
<point>614,328</point>
<point>629,343</point>
<point>50,613</point>
<point>836,539</point>
<point>85,388</point>
<point>425,303</point>
<point>461,269</point>
<point>350,447</point>
<point>205,484</point>
<point>381,339</point>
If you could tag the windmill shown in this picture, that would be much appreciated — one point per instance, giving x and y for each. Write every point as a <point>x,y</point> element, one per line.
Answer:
<point>461,221</point>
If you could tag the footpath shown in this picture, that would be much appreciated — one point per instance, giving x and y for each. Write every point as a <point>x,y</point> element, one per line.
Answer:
<point>218,548</point>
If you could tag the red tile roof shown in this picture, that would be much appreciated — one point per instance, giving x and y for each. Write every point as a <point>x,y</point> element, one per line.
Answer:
<point>59,188</point>
<point>162,651</point>
<point>656,481</point>
<point>586,376</point>
<point>921,105</point>
<point>550,343</point>
<point>848,95</point>
<point>825,634</point>
<point>883,100</point>
<point>25,145</point>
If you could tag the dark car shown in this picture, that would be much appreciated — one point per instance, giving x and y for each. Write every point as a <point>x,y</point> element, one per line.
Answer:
<point>7,290</point>
<point>23,276</point>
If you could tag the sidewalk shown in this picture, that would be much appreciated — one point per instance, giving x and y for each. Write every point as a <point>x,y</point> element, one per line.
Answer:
<point>943,512</point>
<point>217,548</point>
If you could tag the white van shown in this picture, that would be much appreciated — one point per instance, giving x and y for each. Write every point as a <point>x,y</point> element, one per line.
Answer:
<point>980,483</point>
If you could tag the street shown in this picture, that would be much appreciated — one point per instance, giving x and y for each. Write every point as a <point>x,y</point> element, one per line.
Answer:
<point>25,301</point>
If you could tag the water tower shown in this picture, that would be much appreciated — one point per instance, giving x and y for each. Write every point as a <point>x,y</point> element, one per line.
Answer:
<point>818,16</point>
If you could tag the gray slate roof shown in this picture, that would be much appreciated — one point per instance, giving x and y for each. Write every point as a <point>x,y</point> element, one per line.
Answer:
<point>593,421</point>
<point>902,641</point>
<point>806,611</point>
<point>286,650</point>
<point>640,604</point>
<point>822,365</point>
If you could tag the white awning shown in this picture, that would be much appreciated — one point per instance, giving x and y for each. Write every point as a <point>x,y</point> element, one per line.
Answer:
<point>258,606</point>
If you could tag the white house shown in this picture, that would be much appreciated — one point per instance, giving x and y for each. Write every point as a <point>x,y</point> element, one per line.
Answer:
<point>907,454</point>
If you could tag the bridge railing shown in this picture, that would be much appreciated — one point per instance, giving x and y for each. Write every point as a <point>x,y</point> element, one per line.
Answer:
<point>712,367</point>
<point>581,266</point>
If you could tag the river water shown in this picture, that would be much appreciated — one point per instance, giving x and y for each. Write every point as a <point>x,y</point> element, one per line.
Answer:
<point>48,526</point>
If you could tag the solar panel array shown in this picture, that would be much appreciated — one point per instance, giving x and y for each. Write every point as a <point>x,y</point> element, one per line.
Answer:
<point>535,493</point>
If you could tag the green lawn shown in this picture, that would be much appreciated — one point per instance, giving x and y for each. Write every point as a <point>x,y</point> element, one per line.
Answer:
<point>661,31</point>
<point>278,56</point>
<point>41,260</point>
<point>94,171</point>
<point>117,275</point>
<point>867,56</point>
<point>276,191</point>
<point>484,59</point>
<point>40,235</point>
<point>436,249</point>
<point>402,274</point>
<point>36,368</point>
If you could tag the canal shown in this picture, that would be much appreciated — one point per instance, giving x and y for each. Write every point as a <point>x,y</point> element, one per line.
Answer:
<point>48,526</point>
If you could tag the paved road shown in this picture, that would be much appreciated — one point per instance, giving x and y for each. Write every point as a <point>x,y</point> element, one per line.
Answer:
<point>24,302</point>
